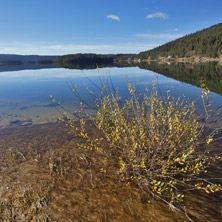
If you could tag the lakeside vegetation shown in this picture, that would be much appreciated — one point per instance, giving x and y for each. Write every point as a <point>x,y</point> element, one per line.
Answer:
<point>157,143</point>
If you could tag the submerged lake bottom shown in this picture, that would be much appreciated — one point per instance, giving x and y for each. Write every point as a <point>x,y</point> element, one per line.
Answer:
<point>77,190</point>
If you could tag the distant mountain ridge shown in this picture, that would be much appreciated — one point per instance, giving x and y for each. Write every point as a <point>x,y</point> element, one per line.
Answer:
<point>26,57</point>
<point>207,42</point>
<point>17,60</point>
<point>12,62</point>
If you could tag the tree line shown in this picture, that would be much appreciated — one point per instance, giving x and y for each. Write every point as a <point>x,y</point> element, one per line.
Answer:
<point>207,42</point>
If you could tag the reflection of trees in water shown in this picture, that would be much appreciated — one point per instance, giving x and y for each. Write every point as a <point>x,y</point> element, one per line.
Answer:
<point>190,73</point>
<point>184,72</point>
<point>94,65</point>
<point>86,65</point>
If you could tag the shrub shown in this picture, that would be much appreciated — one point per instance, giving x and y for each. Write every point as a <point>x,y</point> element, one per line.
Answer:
<point>158,142</point>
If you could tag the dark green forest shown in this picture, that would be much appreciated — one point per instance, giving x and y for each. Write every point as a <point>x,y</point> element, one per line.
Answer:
<point>207,42</point>
<point>83,60</point>
<point>88,60</point>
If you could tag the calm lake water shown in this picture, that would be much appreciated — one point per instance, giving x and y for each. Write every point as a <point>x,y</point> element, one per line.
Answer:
<point>24,95</point>
<point>25,100</point>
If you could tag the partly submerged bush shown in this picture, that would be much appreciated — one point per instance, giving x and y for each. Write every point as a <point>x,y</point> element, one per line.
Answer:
<point>158,142</point>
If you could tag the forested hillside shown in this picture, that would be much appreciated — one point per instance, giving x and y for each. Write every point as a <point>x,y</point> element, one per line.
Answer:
<point>88,60</point>
<point>207,42</point>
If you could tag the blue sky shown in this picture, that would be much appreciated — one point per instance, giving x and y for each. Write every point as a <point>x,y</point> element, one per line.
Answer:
<point>57,27</point>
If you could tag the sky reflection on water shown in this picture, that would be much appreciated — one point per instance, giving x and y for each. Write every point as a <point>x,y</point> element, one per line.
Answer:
<point>24,95</point>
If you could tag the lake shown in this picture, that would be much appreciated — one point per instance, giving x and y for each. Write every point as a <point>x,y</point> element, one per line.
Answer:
<point>30,138</point>
<point>24,95</point>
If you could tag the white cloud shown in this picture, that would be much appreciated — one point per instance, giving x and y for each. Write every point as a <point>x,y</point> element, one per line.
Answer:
<point>173,30</point>
<point>157,15</point>
<point>160,36</point>
<point>113,17</point>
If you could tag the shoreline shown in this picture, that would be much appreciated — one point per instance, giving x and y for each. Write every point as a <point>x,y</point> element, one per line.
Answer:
<point>169,59</point>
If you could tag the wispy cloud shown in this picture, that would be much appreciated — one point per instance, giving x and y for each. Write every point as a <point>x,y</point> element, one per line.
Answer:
<point>173,30</point>
<point>157,15</point>
<point>61,49</point>
<point>113,17</point>
<point>108,48</point>
<point>159,36</point>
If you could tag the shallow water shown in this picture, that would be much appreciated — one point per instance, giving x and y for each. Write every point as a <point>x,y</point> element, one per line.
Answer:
<point>24,95</point>
<point>74,193</point>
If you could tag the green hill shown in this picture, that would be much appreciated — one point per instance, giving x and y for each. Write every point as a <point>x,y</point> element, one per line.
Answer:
<point>207,42</point>
<point>89,60</point>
